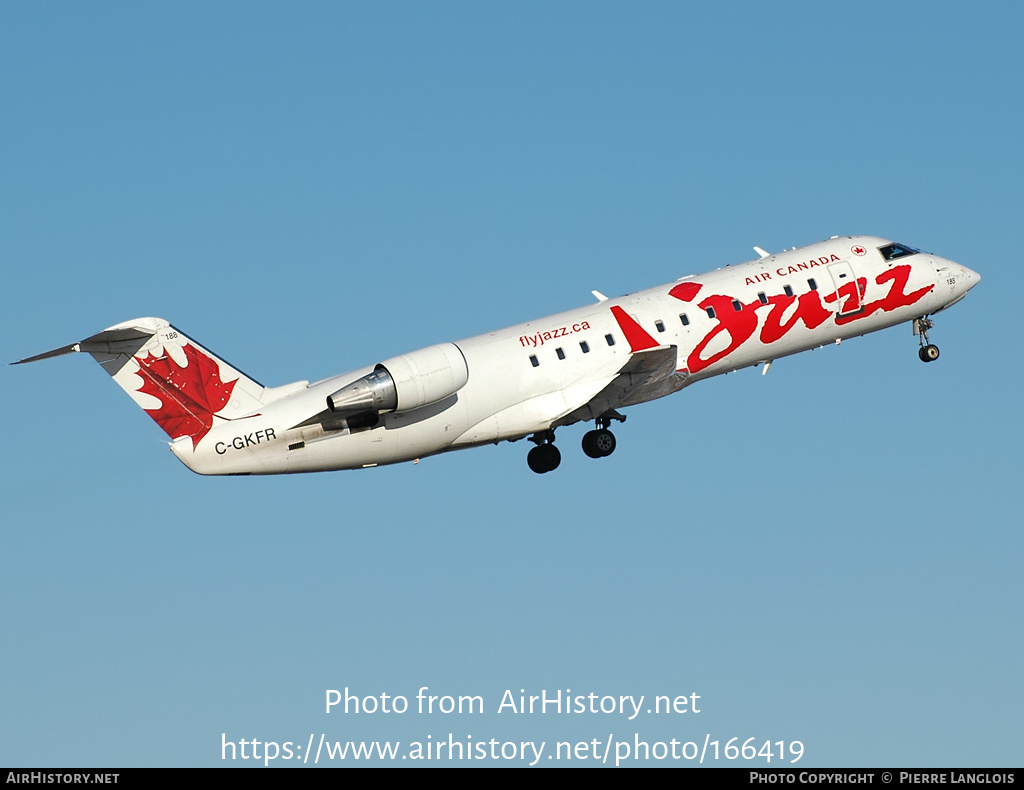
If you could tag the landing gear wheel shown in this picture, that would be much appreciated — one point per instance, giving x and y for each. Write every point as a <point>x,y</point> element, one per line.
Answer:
<point>544,458</point>
<point>927,352</point>
<point>599,443</point>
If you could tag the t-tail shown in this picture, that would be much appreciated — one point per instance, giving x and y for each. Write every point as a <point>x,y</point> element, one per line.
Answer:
<point>180,384</point>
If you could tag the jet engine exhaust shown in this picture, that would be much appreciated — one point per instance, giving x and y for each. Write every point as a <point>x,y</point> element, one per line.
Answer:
<point>373,392</point>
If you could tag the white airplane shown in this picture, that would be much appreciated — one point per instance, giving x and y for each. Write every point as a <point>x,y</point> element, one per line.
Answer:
<point>532,379</point>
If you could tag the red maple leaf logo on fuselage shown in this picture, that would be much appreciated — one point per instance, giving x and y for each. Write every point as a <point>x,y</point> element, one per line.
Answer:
<point>189,395</point>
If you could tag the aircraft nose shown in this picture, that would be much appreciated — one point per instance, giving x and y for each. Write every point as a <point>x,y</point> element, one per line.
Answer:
<point>970,277</point>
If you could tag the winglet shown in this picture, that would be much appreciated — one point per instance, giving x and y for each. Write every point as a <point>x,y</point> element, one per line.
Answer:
<point>762,253</point>
<point>637,336</point>
<point>599,296</point>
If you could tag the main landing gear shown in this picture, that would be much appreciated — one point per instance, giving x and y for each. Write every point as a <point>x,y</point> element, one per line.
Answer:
<point>545,457</point>
<point>601,442</point>
<point>927,352</point>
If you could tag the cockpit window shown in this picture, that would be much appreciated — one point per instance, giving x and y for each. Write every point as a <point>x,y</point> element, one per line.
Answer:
<point>893,251</point>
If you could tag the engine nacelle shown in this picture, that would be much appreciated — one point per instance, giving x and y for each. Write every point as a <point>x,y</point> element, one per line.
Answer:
<point>405,383</point>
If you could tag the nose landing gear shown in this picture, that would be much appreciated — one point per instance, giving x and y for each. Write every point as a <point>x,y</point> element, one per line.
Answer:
<point>927,352</point>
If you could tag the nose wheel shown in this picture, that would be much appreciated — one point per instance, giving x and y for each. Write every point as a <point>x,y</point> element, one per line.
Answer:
<point>927,352</point>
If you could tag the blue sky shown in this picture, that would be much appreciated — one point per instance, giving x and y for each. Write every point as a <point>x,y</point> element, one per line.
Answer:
<point>828,554</point>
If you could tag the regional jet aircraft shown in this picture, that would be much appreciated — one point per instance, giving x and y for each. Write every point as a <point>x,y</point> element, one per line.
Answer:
<point>529,380</point>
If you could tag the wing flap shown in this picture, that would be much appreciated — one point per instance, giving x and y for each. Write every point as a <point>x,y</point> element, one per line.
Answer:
<point>648,374</point>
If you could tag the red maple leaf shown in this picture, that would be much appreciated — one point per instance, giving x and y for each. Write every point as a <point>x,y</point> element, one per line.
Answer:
<point>189,395</point>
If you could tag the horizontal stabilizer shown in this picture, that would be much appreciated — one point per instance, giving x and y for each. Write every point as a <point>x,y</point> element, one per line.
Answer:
<point>57,352</point>
<point>98,342</point>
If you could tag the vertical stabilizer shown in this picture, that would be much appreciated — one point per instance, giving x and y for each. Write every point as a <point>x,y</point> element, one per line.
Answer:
<point>184,388</point>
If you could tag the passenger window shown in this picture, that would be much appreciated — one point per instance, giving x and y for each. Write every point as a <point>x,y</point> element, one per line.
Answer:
<point>561,354</point>
<point>660,326</point>
<point>533,360</point>
<point>813,283</point>
<point>762,297</point>
<point>737,305</point>
<point>789,290</point>
<point>684,319</point>
<point>610,340</point>
<point>584,347</point>
<point>711,312</point>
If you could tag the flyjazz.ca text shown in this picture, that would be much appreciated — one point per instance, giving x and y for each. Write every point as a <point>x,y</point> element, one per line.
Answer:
<point>539,339</point>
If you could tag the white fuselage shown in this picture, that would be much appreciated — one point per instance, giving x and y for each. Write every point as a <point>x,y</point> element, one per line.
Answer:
<point>536,376</point>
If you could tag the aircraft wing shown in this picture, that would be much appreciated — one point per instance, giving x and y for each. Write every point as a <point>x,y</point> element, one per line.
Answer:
<point>648,374</point>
